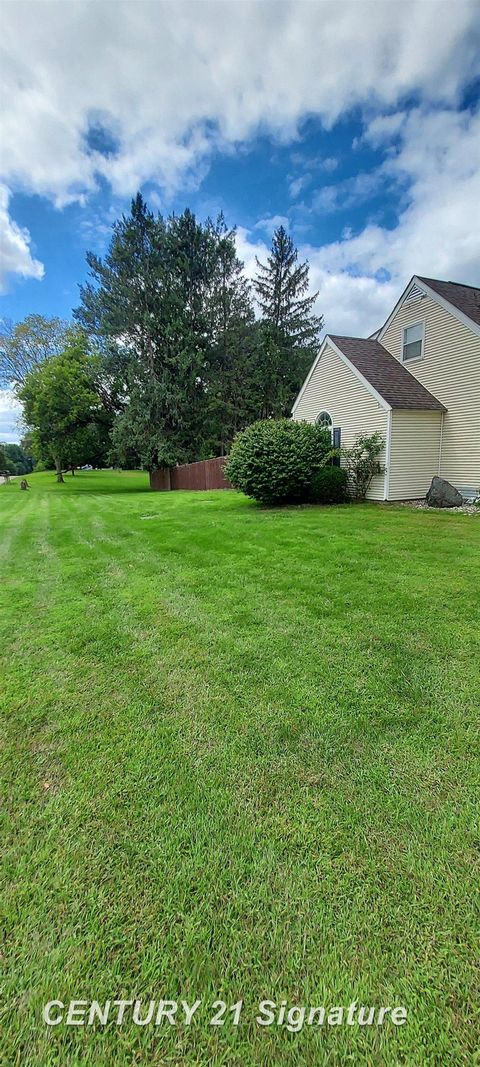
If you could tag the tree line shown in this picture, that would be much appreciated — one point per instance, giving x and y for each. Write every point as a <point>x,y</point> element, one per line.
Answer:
<point>15,459</point>
<point>172,350</point>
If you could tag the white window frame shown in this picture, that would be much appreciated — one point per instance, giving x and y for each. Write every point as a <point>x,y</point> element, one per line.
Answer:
<point>325,411</point>
<point>408,326</point>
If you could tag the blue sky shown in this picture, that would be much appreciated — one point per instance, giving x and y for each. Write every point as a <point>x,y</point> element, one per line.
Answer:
<point>261,182</point>
<point>356,123</point>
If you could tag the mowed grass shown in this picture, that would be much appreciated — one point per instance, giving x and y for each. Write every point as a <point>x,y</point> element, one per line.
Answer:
<point>241,763</point>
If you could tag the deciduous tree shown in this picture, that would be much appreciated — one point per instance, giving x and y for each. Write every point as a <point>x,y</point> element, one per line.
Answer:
<point>23,345</point>
<point>63,408</point>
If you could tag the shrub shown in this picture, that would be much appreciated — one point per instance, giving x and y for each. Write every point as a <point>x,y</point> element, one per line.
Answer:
<point>329,486</point>
<point>362,462</point>
<point>275,460</point>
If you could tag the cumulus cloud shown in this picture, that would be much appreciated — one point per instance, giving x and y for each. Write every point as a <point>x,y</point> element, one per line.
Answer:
<point>350,304</point>
<point>10,416</point>
<point>436,233</point>
<point>135,93</point>
<point>351,192</point>
<point>360,276</point>
<point>15,254</point>
<point>169,82</point>
<point>297,185</point>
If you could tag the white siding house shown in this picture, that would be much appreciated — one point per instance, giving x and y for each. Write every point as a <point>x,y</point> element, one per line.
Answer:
<point>335,388</point>
<point>417,380</point>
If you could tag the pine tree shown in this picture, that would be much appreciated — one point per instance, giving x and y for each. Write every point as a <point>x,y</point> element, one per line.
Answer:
<point>147,301</point>
<point>291,329</point>
<point>232,384</point>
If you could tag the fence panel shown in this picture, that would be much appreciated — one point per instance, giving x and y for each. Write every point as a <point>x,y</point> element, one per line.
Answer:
<point>206,474</point>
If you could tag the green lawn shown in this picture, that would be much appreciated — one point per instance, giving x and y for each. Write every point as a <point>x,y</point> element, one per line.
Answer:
<point>240,763</point>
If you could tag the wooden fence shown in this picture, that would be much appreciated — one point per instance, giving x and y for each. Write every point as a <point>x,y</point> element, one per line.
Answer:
<point>207,474</point>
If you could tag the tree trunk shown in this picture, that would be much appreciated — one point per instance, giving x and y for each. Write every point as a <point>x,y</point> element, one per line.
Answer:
<point>73,471</point>
<point>58,468</point>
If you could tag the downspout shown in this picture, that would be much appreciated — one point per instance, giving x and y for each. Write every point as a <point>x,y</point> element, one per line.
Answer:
<point>388,453</point>
<point>441,443</point>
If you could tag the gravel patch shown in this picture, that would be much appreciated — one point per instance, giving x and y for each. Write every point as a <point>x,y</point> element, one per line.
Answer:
<point>421,505</point>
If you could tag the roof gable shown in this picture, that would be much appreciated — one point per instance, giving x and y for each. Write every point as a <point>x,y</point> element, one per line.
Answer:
<point>465,298</point>
<point>388,378</point>
<point>461,301</point>
<point>383,376</point>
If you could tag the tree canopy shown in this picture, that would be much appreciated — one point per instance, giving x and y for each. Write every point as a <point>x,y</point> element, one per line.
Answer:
<point>63,408</point>
<point>25,344</point>
<point>15,459</point>
<point>171,306</point>
<point>291,328</point>
<point>182,362</point>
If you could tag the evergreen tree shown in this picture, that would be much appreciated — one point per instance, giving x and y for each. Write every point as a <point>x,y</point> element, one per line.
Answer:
<point>172,311</point>
<point>187,364</point>
<point>291,329</point>
<point>147,303</point>
<point>232,364</point>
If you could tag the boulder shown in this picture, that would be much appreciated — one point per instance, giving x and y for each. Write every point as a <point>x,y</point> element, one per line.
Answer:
<point>443,495</point>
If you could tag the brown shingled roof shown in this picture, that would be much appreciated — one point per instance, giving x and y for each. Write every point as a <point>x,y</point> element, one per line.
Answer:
<point>465,298</point>
<point>389,377</point>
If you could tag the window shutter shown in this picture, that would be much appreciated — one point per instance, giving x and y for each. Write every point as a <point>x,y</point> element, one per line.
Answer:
<point>336,443</point>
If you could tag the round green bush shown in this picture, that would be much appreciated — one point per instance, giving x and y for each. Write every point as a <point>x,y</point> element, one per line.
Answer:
<point>275,460</point>
<point>329,486</point>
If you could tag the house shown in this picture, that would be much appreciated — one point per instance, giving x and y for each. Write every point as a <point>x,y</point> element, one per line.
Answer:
<point>417,381</point>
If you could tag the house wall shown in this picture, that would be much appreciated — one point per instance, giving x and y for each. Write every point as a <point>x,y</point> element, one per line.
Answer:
<point>414,453</point>
<point>333,387</point>
<point>450,369</point>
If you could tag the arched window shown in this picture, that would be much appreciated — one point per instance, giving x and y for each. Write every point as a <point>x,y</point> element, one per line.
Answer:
<point>324,419</point>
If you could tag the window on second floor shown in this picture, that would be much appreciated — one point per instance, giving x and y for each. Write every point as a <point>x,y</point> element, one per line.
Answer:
<point>412,341</point>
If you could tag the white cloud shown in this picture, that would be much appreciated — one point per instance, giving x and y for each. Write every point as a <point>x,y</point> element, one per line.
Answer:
<point>297,185</point>
<point>351,192</point>
<point>10,414</point>
<point>329,164</point>
<point>15,254</point>
<point>436,233</point>
<point>383,128</point>
<point>350,305</point>
<point>172,81</point>
<point>360,276</point>
<point>271,223</point>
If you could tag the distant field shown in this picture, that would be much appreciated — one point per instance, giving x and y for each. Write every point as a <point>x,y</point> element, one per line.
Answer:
<point>240,751</point>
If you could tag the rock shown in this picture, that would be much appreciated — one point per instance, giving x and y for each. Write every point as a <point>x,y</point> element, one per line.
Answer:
<point>443,495</point>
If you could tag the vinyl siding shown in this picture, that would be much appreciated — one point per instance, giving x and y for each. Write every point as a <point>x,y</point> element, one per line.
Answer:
<point>450,369</point>
<point>414,453</point>
<point>333,387</point>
